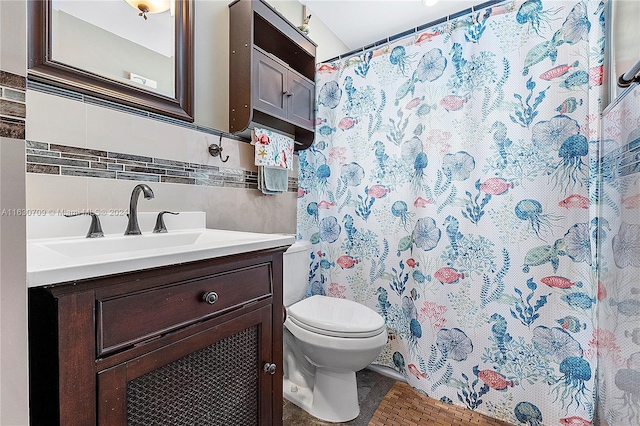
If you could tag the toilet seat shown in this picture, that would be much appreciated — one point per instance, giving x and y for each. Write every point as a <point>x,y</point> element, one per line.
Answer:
<point>336,317</point>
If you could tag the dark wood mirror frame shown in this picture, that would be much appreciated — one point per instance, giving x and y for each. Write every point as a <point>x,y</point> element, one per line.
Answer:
<point>43,69</point>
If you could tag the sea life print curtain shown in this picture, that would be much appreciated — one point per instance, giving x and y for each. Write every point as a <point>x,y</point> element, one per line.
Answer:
<point>619,264</point>
<point>449,189</point>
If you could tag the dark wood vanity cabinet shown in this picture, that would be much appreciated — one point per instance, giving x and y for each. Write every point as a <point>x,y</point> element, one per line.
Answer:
<point>271,73</point>
<point>198,343</point>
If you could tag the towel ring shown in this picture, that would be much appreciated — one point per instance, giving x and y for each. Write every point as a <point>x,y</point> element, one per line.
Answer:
<point>216,150</point>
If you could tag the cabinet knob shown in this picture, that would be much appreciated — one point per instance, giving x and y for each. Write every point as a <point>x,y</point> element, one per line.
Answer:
<point>287,94</point>
<point>210,297</point>
<point>270,368</point>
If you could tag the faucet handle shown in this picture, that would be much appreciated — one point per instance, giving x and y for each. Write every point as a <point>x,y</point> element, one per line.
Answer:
<point>160,226</point>
<point>95,229</point>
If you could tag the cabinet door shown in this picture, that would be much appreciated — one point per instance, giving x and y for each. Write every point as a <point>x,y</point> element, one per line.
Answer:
<point>269,85</point>
<point>301,100</point>
<point>215,377</point>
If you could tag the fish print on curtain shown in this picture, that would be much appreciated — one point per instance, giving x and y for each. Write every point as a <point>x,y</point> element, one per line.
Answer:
<point>618,331</point>
<point>450,189</point>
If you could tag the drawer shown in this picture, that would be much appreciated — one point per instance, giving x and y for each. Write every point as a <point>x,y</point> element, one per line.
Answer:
<point>126,320</point>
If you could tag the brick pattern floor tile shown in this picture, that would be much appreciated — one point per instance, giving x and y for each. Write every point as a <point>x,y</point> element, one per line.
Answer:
<point>403,406</point>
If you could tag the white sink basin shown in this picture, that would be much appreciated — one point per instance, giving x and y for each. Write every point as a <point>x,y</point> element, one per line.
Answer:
<point>56,260</point>
<point>89,247</point>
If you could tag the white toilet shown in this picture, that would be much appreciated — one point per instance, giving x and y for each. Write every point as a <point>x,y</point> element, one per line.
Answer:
<point>326,340</point>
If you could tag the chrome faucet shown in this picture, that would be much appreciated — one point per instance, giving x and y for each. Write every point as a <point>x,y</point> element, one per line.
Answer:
<point>132,227</point>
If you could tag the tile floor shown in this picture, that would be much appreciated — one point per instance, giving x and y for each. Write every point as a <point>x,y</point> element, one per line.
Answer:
<point>372,387</point>
<point>404,407</point>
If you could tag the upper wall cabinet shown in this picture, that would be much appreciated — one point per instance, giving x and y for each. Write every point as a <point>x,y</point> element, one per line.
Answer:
<point>281,92</point>
<point>271,73</point>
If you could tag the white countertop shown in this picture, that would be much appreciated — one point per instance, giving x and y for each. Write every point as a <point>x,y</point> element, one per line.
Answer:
<point>56,259</point>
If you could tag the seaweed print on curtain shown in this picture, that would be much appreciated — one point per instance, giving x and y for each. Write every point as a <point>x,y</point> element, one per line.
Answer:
<point>618,329</point>
<point>449,189</point>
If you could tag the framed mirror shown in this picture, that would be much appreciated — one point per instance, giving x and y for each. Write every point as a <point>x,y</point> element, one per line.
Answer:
<point>136,53</point>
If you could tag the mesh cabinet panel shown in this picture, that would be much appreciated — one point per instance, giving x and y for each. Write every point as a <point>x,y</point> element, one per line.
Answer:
<point>217,385</point>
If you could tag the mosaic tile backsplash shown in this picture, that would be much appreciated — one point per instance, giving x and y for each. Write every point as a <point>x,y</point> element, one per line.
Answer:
<point>12,105</point>
<point>73,161</point>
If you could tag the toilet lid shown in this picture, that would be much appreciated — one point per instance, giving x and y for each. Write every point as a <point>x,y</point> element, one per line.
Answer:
<point>336,317</point>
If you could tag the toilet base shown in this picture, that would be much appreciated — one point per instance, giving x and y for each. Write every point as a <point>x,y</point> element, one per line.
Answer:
<point>334,397</point>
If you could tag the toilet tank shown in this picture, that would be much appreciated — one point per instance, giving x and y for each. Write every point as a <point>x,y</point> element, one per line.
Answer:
<point>296,261</point>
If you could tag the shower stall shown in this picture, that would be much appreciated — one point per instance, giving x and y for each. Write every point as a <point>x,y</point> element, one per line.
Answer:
<point>618,313</point>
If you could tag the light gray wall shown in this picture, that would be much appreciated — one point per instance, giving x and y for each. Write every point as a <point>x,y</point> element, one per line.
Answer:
<point>13,37</point>
<point>13,292</point>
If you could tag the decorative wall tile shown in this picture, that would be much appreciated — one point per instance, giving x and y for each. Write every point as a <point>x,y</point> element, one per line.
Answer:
<point>177,173</point>
<point>37,145</point>
<point>77,150</point>
<point>72,171</point>
<point>173,179</point>
<point>52,90</point>
<point>15,81</point>
<point>108,104</point>
<point>12,106</point>
<point>42,159</point>
<point>73,161</point>
<point>14,95</point>
<point>13,109</point>
<point>138,169</point>
<point>42,152</point>
<point>11,128</point>
<point>137,176</point>
<point>159,161</point>
<point>43,168</point>
<point>119,156</point>
<point>79,156</point>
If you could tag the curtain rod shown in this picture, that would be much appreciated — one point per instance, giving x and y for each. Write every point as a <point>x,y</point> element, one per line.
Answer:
<point>630,76</point>
<point>417,29</point>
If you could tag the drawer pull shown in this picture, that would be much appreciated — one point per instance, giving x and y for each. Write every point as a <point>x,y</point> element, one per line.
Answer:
<point>210,297</point>
<point>270,368</point>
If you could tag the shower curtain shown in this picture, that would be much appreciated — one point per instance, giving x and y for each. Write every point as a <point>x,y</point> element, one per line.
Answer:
<point>619,264</point>
<point>450,188</point>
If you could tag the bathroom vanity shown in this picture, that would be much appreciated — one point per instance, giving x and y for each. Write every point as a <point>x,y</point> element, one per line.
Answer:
<point>191,342</point>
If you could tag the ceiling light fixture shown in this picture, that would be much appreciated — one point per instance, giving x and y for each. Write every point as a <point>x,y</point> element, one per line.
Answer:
<point>150,6</point>
<point>429,2</point>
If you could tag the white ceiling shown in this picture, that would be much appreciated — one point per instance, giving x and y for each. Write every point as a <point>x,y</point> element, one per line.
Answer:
<point>359,23</point>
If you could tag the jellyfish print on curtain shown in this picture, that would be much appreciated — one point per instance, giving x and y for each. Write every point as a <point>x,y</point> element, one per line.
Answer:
<point>450,188</point>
